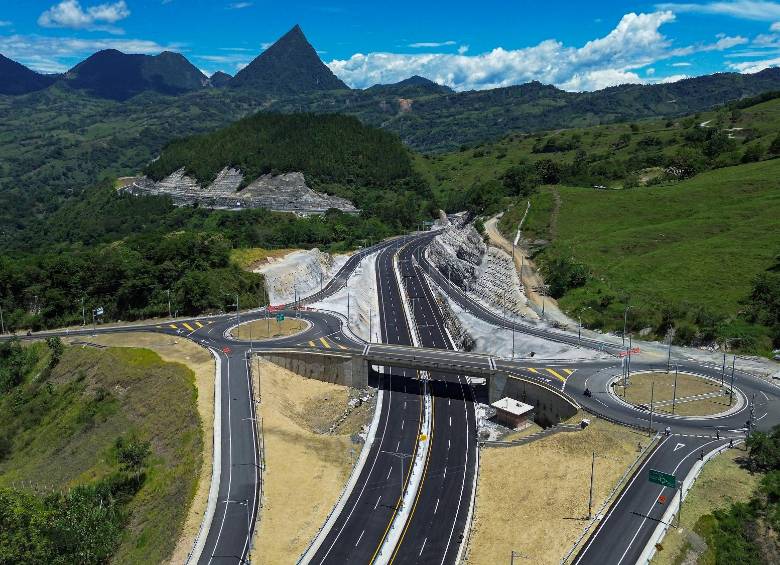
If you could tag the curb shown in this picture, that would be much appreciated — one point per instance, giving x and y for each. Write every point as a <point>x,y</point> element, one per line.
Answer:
<point>674,507</point>
<point>216,466</point>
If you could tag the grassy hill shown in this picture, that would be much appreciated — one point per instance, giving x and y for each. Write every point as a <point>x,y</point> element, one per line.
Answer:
<point>618,155</point>
<point>685,254</point>
<point>67,423</point>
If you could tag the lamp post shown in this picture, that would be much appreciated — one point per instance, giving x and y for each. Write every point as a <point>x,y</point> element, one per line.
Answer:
<point>590,496</point>
<point>401,457</point>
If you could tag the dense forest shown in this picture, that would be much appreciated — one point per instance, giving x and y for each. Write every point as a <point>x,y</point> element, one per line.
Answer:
<point>336,153</point>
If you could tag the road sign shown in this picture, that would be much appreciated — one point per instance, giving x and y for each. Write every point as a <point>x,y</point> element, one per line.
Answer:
<point>663,479</point>
<point>226,349</point>
<point>280,317</point>
<point>99,311</point>
<point>662,499</point>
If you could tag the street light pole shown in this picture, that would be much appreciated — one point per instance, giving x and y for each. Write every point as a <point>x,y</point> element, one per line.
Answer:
<point>674,392</point>
<point>590,496</point>
<point>669,354</point>
<point>731,391</point>
<point>169,302</point>
<point>579,329</point>
<point>625,324</point>
<point>652,391</point>
<point>83,313</point>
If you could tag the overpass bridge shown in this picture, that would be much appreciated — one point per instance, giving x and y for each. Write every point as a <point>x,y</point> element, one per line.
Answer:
<point>504,377</point>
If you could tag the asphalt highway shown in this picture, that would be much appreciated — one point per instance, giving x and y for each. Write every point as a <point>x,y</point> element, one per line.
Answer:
<point>433,532</point>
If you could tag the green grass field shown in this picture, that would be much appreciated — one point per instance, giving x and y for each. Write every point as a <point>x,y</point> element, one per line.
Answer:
<point>698,243</point>
<point>453,172</point>
<point>63,431</point>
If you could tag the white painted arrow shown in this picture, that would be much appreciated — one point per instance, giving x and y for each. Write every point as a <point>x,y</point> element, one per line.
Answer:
<point>678,446</point>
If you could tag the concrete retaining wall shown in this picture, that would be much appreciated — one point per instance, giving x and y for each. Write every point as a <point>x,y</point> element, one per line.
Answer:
<point>346,370</point>
<point>550,407</point>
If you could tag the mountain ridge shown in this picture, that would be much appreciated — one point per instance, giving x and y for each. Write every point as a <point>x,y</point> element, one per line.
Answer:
<point>290,65</point>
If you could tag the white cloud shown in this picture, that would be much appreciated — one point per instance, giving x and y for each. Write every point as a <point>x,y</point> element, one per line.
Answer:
<point>239,5</point>
<point>743,9</point>
<point>463,49</point>
<point>755,66</point>
<point>70,14</point>
<point>614,59</point>
<point>681,64</point>
<point>58,54</point>
<point>650,72</point>
<point>5,23</point>
<point>775,27</point>
<point>429,44</point>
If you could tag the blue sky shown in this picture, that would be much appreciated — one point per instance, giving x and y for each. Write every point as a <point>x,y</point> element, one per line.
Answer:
<point>468,45</point>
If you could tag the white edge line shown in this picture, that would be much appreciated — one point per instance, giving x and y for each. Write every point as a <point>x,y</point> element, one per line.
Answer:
<point>666,520</point>
<point>216,466</point>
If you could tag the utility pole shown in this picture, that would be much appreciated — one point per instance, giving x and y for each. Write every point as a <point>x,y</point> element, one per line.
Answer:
<point>513,339</point>
<point>669,354</point>
<point>723,368</point>
<point>370,316</point>
<point>731,391</point>
<point>590,496</point>
<point>320,281</point>
<point>347,308</point>
<point>625,324</point>
<point>238,314</point>
<point>169,302</point>
<point>652,391</point>
<point>83,313</point>
<point>579,329</point>
<point>674,392</point>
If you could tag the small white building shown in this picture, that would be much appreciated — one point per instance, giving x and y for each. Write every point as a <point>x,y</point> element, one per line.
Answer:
<point>513,413</point>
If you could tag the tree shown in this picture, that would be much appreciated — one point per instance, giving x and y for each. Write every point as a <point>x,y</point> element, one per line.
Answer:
<point>521,180</point>
<point>56,348</point>
<point>764,450</point>
<point>132,453</point>
<point>548,171</point>
<point>753,153</point>
<point>774,147</point>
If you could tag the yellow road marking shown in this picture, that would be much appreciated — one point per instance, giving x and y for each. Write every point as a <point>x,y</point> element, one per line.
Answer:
<point>311,344</point>
<point>341,346</point>
<point>189,327</point>
<point>325,342</point>
<point>556,374</point>
<point>199,324</point>
<point>531,369</point>
<point>568,372</point>
<point>406,479</point>
<point>174,326</point>
<point>422,480</point>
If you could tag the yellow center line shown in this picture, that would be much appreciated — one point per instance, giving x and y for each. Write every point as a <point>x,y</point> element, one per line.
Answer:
<point>556,374</point>
<point>532,370</point>
<point>174,326</point>
<point>406,481</point>
<point>420,486</point>
<point>199,324</point>
<point>569,372</point>
<point>311,344</point>
<point>189,327</point>
<point>325,342</point>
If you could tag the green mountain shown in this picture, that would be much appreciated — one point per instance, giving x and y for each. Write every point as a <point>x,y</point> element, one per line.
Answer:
<point>412,86</point>
<point>336,153</point>
<point>289,66</point>
<point>15,78</point>
<point>119,76</point>
<point>444,122</point>
<point>219,79</point>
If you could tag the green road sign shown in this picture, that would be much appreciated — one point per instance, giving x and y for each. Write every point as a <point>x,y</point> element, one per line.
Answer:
<point>664,479</point>
<point>280,317</point>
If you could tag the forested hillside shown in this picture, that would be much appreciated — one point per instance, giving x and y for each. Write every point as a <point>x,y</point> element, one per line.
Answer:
<point>336,153</point>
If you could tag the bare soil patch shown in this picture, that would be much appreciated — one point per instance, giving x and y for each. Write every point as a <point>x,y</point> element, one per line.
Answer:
<point>533,498</point>
<point>309,433</point>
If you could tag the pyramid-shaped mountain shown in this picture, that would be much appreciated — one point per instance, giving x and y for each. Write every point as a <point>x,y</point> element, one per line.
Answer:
<point>414,85</point>
<point>219,79</point>
<point>119,76</point>
<point>289,66</point>
<point>15,78</point>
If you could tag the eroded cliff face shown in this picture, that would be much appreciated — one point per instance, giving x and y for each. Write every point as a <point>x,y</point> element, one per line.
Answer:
<point>287,192</point>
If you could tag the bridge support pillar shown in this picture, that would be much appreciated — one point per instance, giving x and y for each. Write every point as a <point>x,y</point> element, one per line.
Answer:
<point>549,407</point>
